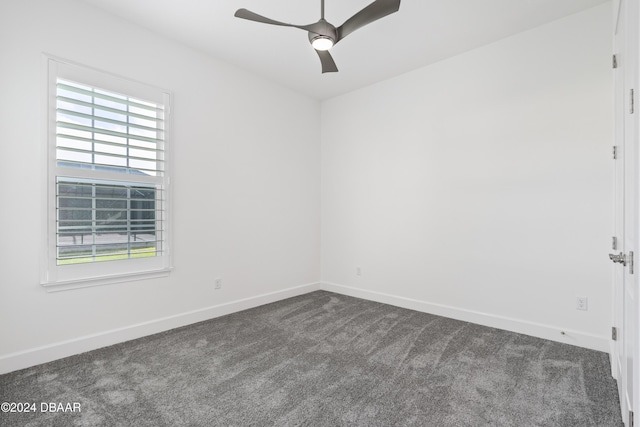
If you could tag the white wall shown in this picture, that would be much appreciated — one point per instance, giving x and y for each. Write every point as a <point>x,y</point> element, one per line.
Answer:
<point>477,187</point>
<point>246,185</point>
<point>480,187</point>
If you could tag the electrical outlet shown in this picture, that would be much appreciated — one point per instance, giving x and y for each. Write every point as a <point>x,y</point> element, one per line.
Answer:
<point>218,283</point>
<point>358,271</point>
<point>582,303</point>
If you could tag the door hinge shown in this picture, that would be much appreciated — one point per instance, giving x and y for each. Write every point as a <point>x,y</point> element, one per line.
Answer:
<point>614,243</point>
<point>630,418</point>
<point>615,61</point>
<point>615,152</point>
<point>631,101</point>
<point>614,333</point>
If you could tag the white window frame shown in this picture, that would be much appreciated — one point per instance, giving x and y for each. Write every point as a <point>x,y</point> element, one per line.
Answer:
<point>56,277</point>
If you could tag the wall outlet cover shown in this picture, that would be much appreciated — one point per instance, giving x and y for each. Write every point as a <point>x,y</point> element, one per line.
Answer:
<point>582,303</point>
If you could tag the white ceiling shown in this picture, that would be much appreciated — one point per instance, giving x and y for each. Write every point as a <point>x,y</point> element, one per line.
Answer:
<point>421,33</point>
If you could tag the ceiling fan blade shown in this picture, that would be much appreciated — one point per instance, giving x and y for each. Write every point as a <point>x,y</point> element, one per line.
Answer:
<point>376,10</point>
<point>251,16</point>
<point>328,65</point>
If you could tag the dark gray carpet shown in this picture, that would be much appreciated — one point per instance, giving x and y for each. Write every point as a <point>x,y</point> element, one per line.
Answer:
<point>324,359</point>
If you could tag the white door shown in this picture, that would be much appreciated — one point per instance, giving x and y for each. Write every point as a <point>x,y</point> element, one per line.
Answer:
<point>625,351</point>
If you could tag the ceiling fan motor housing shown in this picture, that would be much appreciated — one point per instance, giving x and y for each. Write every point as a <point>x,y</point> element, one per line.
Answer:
<point>324,29</point>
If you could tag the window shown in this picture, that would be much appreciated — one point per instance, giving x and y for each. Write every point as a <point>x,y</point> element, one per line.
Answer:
<point>107,178</point>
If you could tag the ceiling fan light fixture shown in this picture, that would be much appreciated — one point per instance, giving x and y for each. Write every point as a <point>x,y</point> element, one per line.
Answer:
<point>322,43</point>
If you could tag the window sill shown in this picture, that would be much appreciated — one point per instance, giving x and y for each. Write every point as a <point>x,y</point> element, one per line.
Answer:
<point>104,280</point>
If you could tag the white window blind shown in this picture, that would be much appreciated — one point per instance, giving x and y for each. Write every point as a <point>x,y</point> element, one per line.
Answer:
<point>108,178</point>
<point>108,131</point>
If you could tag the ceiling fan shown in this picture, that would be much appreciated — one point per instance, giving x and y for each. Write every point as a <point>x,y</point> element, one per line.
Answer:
<point>323,36</point>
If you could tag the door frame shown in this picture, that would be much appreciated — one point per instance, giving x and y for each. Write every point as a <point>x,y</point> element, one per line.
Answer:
<point>625,355</point>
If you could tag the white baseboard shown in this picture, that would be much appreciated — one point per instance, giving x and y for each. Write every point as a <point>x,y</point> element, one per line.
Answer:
<point>580,339</point>
<point>35,356</point>
<point>24,359</point>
